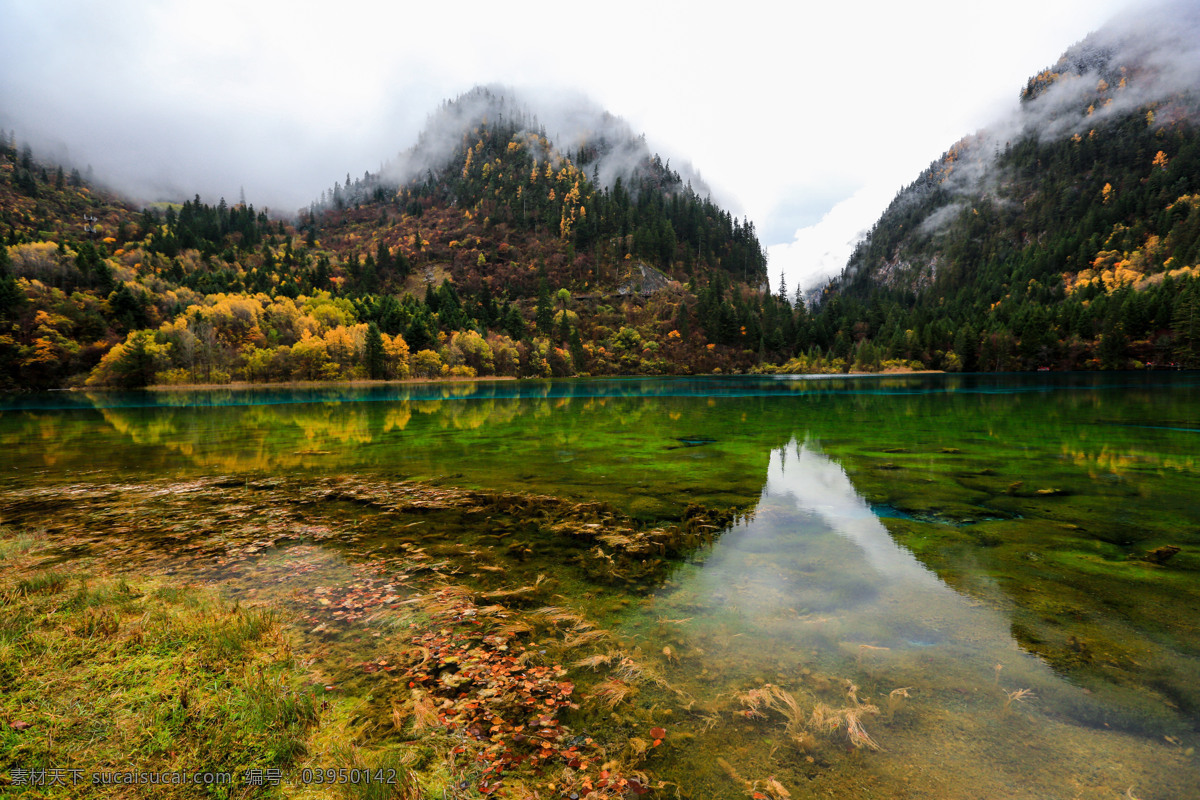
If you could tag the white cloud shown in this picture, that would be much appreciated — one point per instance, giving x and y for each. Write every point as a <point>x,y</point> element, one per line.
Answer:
<point>819,251</point>
<point>782,107</point>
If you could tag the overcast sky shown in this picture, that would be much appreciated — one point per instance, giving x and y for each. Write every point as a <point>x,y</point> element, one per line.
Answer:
<point>806,117</point>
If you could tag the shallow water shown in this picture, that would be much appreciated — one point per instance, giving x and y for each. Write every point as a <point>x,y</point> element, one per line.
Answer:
<point>961,538</point>
<point>813,595</point>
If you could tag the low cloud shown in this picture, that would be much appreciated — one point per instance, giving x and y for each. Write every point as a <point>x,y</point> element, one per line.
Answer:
<point>1147,58</point>
<point>939,219</point>
<point>568,120</point>
<point>819,251</point>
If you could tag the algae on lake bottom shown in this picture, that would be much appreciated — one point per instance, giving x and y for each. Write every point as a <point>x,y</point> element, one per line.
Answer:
<point>989,563</point>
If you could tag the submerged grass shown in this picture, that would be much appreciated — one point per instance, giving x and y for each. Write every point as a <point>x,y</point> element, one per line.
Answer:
<point>104,674</point>
<point>115,660</point>
<point>100,674</point>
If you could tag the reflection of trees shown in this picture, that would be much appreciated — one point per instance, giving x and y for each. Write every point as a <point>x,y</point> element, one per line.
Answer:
<point>262,438</point>
<point>608,434</point>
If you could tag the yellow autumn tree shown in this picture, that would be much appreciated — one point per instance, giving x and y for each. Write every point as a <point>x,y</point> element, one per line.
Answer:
<point>427,364</point>
<point>475,352</point>
<point>329,311</point>
<point>395,356</point>
<point>345,346</point>
<point>132,363</point>
<point>310,360</point>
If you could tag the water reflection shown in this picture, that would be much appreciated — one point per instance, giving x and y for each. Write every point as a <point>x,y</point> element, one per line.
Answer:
<point>815,555</point>
<point>733,386</point>
<point>818,485</point>
<point>812,594</point>
<point>1056,490</point>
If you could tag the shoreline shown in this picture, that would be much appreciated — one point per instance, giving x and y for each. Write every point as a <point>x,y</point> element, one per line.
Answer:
<point>366,382</point>
<point>358,382</point>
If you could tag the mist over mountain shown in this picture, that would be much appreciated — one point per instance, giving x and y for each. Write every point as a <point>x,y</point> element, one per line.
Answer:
<point>572,122</point>
<point>539,236</point>
<point>1141,61</point>
<point>1065,235</point>
<point>486,248</point>
<point>556,125</point>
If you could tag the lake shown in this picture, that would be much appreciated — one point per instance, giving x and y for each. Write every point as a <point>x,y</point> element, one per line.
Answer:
<point>925,586</point>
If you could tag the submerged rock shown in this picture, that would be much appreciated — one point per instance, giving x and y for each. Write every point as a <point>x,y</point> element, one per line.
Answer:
<point>1161,555</point>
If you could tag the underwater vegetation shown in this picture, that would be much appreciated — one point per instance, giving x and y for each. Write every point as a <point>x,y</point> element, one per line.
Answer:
<point>923,587</point>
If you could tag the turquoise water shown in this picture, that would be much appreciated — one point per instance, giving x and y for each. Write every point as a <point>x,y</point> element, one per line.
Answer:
<point>983,543</point>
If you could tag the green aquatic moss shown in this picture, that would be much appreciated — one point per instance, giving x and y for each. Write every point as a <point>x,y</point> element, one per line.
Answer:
<point>1014,519</point>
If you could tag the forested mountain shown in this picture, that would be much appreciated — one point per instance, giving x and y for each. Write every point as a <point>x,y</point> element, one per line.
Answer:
<point>605,200</point>
<point>484,249</point>
<point>1067,236</point>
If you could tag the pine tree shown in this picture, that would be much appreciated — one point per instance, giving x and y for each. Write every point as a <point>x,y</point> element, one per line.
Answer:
<point>1113,343</point>
<point>374,355</point>
<point>577,353</point>
<point>565,328</point>
<point>11,296</point>
<point>544,315</point>
<point>1186,323</point>
<point>383,258</point>
<point>512,322</point>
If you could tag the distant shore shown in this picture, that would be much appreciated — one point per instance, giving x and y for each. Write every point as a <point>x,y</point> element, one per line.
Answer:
<point>188,387</point>
<point>361,382</point>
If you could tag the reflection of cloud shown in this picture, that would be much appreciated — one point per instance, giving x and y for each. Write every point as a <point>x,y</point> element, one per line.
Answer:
<point>820,486</point>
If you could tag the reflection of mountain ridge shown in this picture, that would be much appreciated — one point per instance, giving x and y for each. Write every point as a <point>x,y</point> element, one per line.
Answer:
<point>814,553</point>
<point>1079,497</point>
<point>821,486</point>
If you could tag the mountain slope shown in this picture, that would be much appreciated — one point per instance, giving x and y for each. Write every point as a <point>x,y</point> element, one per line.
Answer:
<point>594,205</point>
<point>1066,236</point>
<point>485,249</point>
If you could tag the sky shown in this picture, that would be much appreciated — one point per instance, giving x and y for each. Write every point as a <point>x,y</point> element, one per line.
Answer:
<point>807,118</point>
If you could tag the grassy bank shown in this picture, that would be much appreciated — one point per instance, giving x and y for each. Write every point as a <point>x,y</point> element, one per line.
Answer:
<point>102,675</point>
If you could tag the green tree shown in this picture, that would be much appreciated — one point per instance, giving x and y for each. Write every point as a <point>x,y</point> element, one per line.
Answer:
<point>564,333</point>
<point>132,364</point>
<point>512,322</point>
<point>1113,343</point>
<point>1186,323</point>
<point>578,356</point>
<point>544,315</point>
<point>966,346</point>
<point>11,296</point>
<point>373,354</point>
<point>128,308</point>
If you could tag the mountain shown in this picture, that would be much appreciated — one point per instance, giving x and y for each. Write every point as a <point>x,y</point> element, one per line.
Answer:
<point>491,247</point>
<point>485,180</point>
<point>1065,236</point>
